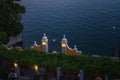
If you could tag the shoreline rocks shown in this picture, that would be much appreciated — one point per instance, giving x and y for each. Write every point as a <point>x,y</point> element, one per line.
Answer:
<point>15,41</point>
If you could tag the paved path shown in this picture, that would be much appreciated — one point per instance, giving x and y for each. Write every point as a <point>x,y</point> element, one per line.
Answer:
<point>23,78</point>
<point>28,75</point>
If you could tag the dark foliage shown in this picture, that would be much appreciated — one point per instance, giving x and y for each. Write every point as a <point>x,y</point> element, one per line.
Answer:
<point>10,17</point>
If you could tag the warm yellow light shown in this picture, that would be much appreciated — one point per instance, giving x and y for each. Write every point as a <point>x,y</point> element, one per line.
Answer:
<point>36,67</point>
<point>43,43</point>
<point>15,65</point>
<point>63,45</point>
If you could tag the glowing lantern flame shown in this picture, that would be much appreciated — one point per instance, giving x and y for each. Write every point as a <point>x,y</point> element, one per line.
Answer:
<point>36,67</point>
<point>15,65</point>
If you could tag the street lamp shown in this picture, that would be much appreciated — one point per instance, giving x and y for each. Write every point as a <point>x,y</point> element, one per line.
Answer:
<point>15,65</point>
<point>36,67</point>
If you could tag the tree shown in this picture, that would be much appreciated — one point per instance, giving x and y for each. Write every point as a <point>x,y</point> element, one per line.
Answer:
<point>10,17</point>
<point>3,37</point>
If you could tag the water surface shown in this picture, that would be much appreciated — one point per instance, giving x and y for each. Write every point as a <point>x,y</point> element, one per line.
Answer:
<point>93,25</point>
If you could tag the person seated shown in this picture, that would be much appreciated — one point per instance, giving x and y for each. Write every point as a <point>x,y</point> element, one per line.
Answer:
<point>12,75</point>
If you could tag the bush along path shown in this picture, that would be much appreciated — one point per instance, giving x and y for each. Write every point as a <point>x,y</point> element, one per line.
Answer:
<point>92,66</point>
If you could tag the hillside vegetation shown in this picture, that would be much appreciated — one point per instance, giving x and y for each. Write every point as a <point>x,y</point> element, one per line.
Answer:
<point>91,65</point>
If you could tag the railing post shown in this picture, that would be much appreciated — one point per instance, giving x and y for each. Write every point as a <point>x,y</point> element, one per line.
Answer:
<point>58,73</point>
<point>106,77</point>
<point>81,75</point>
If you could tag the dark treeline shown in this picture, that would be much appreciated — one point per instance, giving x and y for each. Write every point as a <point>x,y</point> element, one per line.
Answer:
<point>10,19</point>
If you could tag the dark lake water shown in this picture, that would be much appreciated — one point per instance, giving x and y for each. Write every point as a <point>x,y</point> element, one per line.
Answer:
<point>93,25</point>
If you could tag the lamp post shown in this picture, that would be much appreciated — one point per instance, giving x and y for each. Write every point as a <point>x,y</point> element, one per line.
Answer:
<point>16,68</point>
<point>36,68</point>
<point>36,77</point>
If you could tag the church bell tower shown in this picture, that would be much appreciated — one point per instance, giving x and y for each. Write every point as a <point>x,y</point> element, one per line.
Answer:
<point>44,43</point>
<point>64,44</point>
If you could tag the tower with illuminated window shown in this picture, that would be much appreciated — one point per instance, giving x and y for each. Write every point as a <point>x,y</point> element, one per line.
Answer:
<point>44,43</point>
<point>64,44</point>
<point>67,50</point>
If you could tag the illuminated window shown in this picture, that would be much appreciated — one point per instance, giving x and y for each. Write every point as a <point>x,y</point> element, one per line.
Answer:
<point>63,45</point>
<point>43,43</point>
